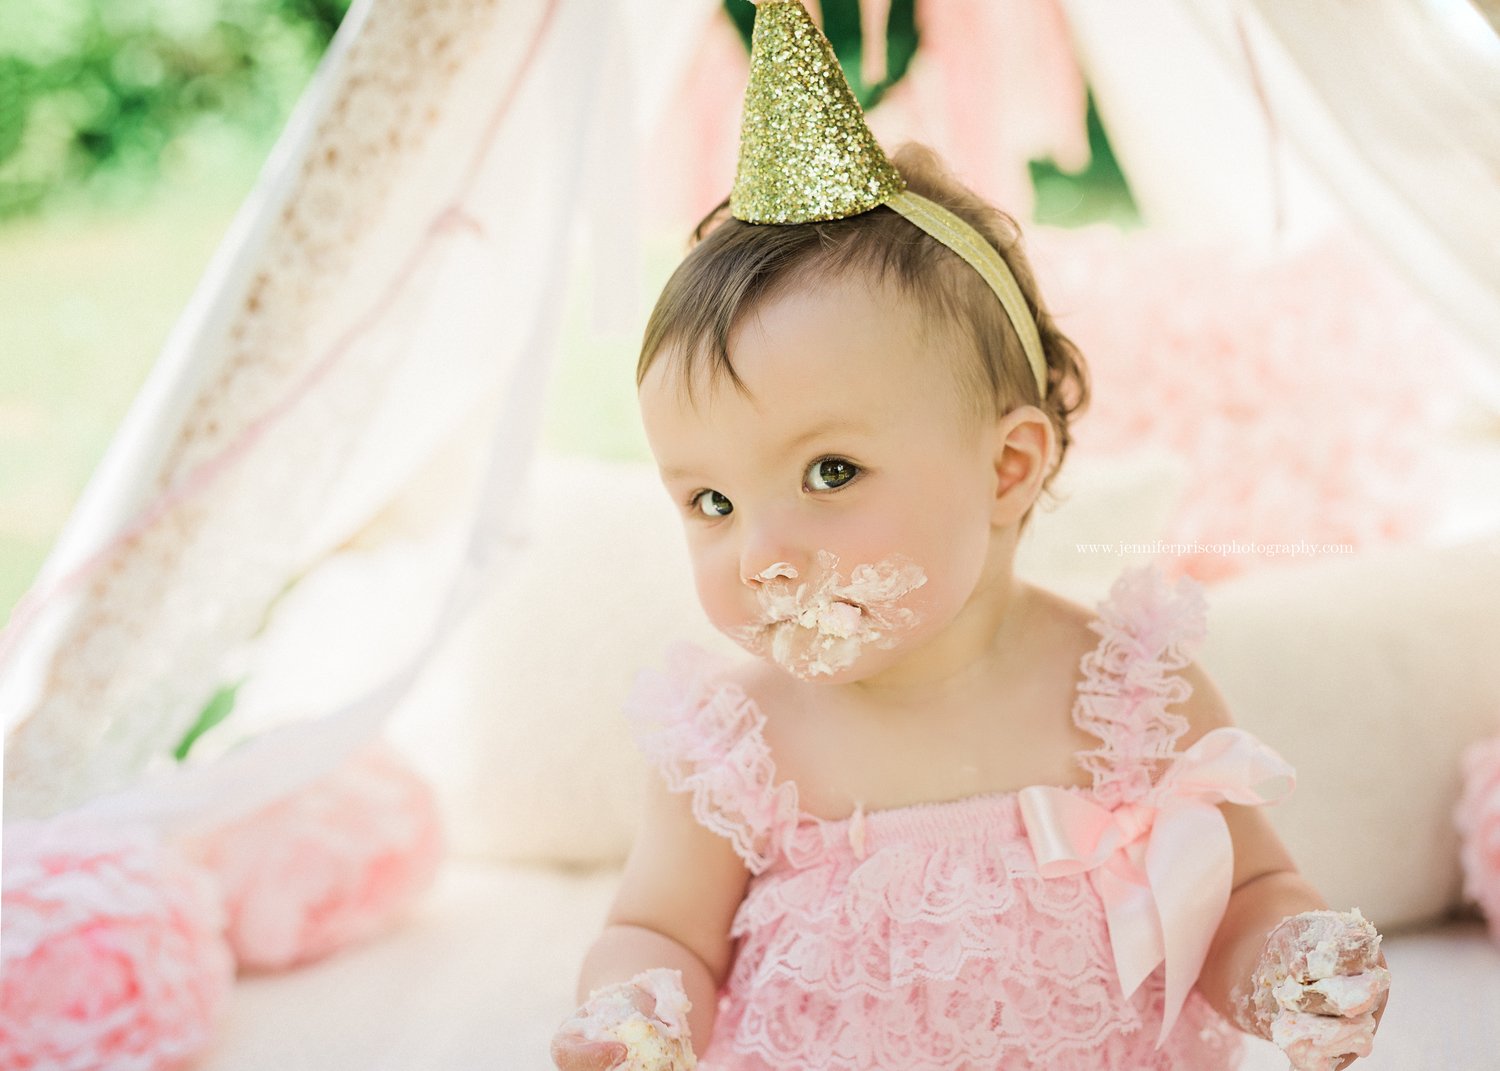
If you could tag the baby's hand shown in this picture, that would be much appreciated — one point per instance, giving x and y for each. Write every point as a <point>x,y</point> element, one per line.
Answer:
<point>639,1025</point>
<point>1319,988</point>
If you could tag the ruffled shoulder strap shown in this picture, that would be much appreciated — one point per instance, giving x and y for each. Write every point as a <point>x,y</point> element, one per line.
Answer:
<point>1148,629</point>
<point>706,736</point>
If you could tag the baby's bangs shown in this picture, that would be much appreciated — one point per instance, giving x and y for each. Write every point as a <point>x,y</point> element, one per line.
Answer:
<point>738,266</point>
<point>724,277</point>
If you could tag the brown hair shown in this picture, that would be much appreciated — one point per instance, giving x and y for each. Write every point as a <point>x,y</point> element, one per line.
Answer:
<point>734,266</point>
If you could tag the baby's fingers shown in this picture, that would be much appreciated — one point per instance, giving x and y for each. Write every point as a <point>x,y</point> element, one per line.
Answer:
<point>1321,1042</point>
<point>643,1002</point>
<point>574,1052</point>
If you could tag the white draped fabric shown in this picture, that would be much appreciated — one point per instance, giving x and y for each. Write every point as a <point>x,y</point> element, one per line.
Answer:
<point>1268,120</point>
<point>398,273</point>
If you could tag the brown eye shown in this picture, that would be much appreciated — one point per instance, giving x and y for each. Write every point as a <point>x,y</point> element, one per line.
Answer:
<point>830,473</point>
<point>712,504</point>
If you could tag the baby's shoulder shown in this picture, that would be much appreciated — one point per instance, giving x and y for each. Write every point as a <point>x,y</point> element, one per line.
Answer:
<point>767,696</point>
<point>701,694</point>
<point>1061,629</point>
<point>1061,612</point>
<point>1163,624</point>
<point>1090,646</point>
<point>1149,615</point>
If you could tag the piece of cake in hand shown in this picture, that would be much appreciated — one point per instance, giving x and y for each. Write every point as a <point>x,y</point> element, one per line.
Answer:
<point>1318,1042</point>
<point>648,1015</point>
<point>1318,985</point>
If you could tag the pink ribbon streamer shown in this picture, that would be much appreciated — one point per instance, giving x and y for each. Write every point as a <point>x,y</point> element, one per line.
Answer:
<point>1163,865</point>
<point>873,17</point>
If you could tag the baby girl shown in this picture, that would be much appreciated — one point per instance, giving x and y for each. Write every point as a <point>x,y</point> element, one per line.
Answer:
<point>943,818</point>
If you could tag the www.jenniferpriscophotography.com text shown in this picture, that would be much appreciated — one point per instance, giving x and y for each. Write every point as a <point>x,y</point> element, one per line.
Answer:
<point>1300,549</point>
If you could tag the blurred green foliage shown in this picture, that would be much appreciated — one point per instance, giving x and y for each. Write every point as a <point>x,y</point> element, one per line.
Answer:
<point>842,24</point>
<point>1098,192</point>
<point>99,98</point>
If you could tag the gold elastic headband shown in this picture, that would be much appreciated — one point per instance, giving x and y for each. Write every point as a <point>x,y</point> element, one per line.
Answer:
<point>806,154</point>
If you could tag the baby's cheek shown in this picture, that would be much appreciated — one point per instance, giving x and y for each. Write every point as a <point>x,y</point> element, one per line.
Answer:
<point>723,605</point>
<point>925,612</point>
<point>946,585</point>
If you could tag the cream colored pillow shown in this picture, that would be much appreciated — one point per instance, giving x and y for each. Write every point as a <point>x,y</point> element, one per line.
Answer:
<point>518,719</point>
<point>1369,675</point>
<point>1100,515</point>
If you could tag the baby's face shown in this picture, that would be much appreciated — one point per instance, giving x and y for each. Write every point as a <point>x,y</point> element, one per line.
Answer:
<point>840,515</point>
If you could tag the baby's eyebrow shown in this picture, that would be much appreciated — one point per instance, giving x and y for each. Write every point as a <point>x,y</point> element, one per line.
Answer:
<point>845,424</point>
<point>836,424</point>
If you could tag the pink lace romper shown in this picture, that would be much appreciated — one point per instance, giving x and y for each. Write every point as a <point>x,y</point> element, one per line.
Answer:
<point>925,937</point>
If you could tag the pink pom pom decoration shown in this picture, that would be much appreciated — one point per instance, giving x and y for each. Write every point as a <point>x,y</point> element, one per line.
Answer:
<point>1477,817</point>
<point>328,866</point>
<point>113,953</point>
<point>1307,396</point>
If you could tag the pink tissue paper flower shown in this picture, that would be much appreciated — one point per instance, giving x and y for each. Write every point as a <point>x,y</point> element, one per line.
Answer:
<point>1309,394</point>
<point>113,952</point>
<point>1477,817</point>
<point>328,866</point>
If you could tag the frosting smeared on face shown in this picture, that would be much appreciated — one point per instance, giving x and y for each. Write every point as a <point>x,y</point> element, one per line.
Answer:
<point>820,626</point>
<point>775,569</point>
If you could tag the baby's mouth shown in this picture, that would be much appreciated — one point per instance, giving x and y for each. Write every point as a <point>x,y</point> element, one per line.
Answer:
<point>818,628</point>
<point>837,617</point>
<point>809,615</point>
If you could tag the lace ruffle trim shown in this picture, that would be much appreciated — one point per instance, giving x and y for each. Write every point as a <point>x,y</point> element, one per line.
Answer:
<point>706,737</point>
<point>1149,629</point>
<point>1050,1002</point>
<point>882,931</point>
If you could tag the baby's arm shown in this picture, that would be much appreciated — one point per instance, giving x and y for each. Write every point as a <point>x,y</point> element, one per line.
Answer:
<point>681,886</point>
<point>1258,971</point>
<point>1267,890</point>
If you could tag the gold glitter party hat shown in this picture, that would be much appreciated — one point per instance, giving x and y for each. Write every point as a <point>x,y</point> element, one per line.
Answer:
<point>807,155</point>
<point>805,151</point>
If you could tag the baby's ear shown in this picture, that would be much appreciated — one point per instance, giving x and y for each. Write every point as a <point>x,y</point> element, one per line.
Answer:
<point>1023,447</point>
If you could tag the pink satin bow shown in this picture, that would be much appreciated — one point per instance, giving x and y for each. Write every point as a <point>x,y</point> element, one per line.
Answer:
<point>1163,865</point>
